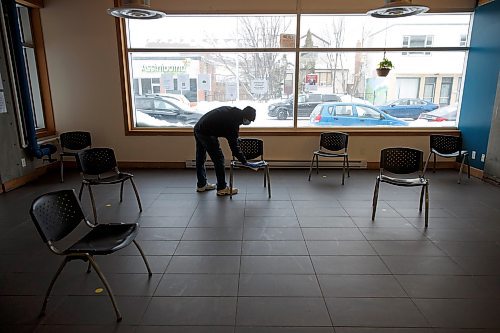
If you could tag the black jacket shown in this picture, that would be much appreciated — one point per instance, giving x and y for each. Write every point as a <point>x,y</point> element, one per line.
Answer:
<point>223,122</point>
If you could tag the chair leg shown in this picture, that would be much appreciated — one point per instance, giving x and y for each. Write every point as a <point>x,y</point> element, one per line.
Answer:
<point>106,285</point>
<point>468,165</point>
<point>426,205</point>
<point>311,167</point>
<point>265,178</point>
<point>343,171</point>
<point>426,164</point>
<point>62,170</point>
<point>317,164</point>
<point>421,198</point>
<point>375,198</point>
<point>462,157</point>
<point>230,181</point>
<point>348,168</point>
<point>121,191</point>
<point>94,210</point>
<point>136,194</point>
<point>80,193</point>
<point>268,181</point>
<point>89,268</point>
<point>47,294</point>
<point>143,257</point>
<point>434,165</point>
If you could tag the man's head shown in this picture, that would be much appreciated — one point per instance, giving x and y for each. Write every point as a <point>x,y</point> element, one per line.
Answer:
<point>248,115</point>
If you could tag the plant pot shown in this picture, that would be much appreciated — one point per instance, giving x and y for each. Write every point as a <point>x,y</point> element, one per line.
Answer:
<point>383,71</point>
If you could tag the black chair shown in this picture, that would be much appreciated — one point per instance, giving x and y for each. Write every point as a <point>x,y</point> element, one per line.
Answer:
<point>448,146</point>
<point>96,162</point>
<point>402,161</point>
<point>332,144</point>
<point>253,149</point>
<point>71,144</point>
<point>59,213</point>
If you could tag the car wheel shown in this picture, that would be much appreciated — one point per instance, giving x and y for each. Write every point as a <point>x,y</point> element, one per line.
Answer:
<point>282,114</point>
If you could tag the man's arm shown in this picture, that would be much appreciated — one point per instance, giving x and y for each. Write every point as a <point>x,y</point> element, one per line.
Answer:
<point>235,148</point>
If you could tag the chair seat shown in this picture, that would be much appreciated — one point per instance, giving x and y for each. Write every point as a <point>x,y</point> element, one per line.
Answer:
<point>262,164</point>
<point>105,239</point>
<point>67,153</point>
<point>454,154</point>
<point>403,181</point>
<point>327,154</point>
<point>114,179</point>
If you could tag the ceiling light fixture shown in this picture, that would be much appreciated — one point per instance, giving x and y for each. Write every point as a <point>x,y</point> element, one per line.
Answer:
<point>136,9</point>
<point>395,8</point>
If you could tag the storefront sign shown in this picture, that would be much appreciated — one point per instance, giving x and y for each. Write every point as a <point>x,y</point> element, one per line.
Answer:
<point>258,86</point>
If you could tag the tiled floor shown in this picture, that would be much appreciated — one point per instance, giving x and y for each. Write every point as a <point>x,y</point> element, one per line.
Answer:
<point>308,260</point>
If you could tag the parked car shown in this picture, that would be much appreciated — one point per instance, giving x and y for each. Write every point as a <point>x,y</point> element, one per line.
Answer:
<point>445,113</point>
<point>306,103</point>
<point>178,97</point>
<point>165,108</point>
<point>408,107</point>
<point>352,114</point>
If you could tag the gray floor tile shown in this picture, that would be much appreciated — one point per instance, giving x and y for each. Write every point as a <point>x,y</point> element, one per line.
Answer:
<point>284,330</point>
<point>201,248</point>
<point>198,285</point>
<point>375,312</point>
<point>422,265</point>
<point>349,265</point>
<point>282,311</point>
<point>276,265</point>
<point>219,234</point>
<point>336,248</point>
<point>190,311</point>
<point>332,234</point>
<point>274,248</point>
<point>460,313</point>
<point>272,234</point>
<point>425,286</point>
<point>204,264</point>
<point>279,285</point>
<point>326,222</point>
<point>271,222</point>
<point>407,248</point>
<point>360,286</point>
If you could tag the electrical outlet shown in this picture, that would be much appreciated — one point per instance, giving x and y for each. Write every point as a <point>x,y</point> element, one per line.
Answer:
<point>473,155</point>
<point>23,162</point>
<point>483,157</point>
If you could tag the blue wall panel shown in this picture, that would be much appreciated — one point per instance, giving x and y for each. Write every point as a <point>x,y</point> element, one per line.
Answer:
<point>481,80</point>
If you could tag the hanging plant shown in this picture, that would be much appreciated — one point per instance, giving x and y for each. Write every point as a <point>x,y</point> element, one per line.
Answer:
<point>384,67</point>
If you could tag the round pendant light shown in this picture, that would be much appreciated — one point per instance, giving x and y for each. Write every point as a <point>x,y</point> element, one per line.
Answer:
<point>136,9</point>
<point>397,9</point>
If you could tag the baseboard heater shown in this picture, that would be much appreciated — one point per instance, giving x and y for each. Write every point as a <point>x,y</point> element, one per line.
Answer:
<point>323,164</point>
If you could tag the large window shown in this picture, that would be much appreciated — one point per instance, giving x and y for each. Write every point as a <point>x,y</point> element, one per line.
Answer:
<point>257,60</point>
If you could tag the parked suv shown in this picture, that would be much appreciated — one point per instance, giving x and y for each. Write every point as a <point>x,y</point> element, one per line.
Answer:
<point>165,108</point>
<point>306,103</point>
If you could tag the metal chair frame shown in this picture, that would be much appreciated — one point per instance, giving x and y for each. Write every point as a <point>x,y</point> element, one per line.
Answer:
<point>93,163</point>
<point>402,161</point>
<point>448,146</point>
<point>74,141</point>
<point>252,148</point>
<point>330,143</point>
<point>68,215</point>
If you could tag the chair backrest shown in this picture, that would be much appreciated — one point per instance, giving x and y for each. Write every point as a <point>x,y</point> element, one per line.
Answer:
<point>446,144</point>
<point>56,214</point>
<point>94,161</point>
<point>401,160</point>
<point>252,148</point>
<point>334,141</point>
<point>75,140</point>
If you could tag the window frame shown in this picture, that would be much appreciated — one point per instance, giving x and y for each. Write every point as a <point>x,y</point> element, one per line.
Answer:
<point>127,100</point>
<point>38,46</point>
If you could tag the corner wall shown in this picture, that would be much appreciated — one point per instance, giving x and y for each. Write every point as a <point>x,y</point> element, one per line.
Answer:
<point>481,80</point>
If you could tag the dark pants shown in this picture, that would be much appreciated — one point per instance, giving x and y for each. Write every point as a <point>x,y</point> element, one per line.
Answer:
<point>209,144</point>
